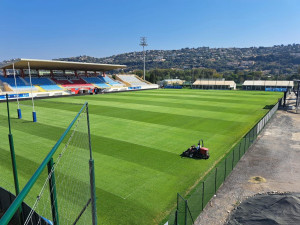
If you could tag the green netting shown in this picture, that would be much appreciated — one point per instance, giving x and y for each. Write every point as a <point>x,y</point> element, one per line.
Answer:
<point>243,144</point>
<point>236,154</point>
<point>228,164</point>
<point>220,174</point>
<point>209,188</point>
<point>181,210</point>
<point>189,218</point>
<point>195,201</point>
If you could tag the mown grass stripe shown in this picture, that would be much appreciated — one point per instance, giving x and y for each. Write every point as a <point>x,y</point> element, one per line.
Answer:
<point>177,111</point>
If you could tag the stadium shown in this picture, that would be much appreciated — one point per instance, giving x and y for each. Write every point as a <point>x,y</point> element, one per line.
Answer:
<point>112,145</point>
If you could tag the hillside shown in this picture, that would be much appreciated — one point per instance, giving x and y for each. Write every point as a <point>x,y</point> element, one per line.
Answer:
<point>279,59</point>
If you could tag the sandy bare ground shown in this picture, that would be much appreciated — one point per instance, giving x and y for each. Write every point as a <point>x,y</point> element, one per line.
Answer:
<point>272,164</point>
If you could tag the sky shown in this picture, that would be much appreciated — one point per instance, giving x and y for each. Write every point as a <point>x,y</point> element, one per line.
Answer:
<point>47,29</point>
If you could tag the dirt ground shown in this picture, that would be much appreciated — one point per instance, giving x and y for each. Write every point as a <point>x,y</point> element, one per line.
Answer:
<point>270,165</point>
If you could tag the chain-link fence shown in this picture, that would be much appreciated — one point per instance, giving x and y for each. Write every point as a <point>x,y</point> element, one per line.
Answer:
<point>189,209</point>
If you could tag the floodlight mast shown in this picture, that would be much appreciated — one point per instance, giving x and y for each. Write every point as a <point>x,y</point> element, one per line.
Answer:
<point>143,42</point>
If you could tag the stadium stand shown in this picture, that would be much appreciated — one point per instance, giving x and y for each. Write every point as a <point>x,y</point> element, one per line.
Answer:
<point>97,81</point>
<point>22,85</point>
<point>112,82</point>
<point>52,87</point>
<point>39,81</point>
<point>72,82</point>
<point>45,83</point>
<point>77,81</point>
<point>61,80</point>
<point>132,80</point>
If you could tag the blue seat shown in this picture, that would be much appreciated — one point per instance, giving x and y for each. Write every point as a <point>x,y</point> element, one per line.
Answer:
<point>52,87</point>
<point>38,81</point>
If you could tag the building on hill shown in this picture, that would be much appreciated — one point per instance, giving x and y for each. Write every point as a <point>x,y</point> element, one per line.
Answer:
<point>220,84</point>
<point>268,85</point>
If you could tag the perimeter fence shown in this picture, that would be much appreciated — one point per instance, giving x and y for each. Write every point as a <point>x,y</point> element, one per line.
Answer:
<point>190,208</point>
<point>62,190</point>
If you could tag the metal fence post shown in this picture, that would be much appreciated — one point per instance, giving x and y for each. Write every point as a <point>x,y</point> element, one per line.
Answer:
<point>240,151</point>
<point>93,191</point>
<point>92,171</point>
<point>13,160</point>
<point>12,150</point>
<point>53,198</point>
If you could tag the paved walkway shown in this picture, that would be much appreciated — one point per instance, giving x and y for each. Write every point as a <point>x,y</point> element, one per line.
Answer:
<point>274,159</point>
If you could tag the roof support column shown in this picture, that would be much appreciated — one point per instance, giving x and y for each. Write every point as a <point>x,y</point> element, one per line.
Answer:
<point>75,72</point>
<point>103,74</point>
<point>86,73</point>
<point>38,72</point>
<point>4,73</point>
<point>95,73</point>
<point>51,73</point>
<point>22,73</point>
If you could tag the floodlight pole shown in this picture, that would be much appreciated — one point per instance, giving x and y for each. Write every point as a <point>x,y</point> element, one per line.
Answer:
<point>143,43</point>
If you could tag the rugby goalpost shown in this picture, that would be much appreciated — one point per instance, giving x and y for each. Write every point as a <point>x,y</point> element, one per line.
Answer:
<point>62,189</point>
<point>34,118</point>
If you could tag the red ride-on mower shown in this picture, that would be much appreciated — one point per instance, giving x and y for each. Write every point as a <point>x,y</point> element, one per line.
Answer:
<point>199,152</point>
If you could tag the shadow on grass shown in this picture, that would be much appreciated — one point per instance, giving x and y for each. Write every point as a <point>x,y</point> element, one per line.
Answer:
<point>268,107</point>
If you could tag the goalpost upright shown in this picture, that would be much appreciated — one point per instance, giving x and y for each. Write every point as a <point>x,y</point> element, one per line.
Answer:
<point>18,110</point>
<point>33,111</point>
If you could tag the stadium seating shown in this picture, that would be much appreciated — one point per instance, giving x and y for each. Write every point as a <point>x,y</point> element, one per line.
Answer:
<point>132,80</point>
<point>77,81</point>
<point>52,87</point>
<point>98,81</point>
<point>72,82</point>
<point>111,82</point>
<point>39,81</point>
<point>46,83</point>
<point>22,86</point>
<point>61,80</point>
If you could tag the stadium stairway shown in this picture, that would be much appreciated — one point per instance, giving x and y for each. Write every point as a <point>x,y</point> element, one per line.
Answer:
<point>147,82</point>
<point>39,88</point>
<point>124,82</point>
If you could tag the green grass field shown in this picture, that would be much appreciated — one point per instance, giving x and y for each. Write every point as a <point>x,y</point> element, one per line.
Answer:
<point>137,138</point>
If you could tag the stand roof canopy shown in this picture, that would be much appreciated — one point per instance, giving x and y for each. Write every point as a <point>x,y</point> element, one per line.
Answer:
<point>60,65</point>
